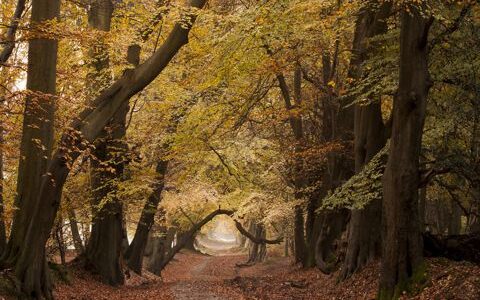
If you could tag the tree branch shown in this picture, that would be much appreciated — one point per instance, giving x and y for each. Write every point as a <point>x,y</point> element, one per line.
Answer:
<point>454,27</point>
<point>9,42</point>
<point>254,239</point>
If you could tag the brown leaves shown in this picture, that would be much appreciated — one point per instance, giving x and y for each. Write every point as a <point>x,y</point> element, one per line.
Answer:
<point>196,276</point>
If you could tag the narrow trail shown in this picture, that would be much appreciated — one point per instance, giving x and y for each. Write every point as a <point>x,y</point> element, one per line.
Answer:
<point>191,289</point>
<point>202,277</point>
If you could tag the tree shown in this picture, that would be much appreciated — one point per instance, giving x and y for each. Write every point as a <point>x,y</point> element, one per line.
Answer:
<point>402,243</point>
<point>364,242</point>
<point>37,136</point>
<point>104,249</point>
<point>135,251</point>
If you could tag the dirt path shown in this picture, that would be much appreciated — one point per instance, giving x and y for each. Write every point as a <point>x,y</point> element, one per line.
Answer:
<point>195,276</point>
<point>193,289</point>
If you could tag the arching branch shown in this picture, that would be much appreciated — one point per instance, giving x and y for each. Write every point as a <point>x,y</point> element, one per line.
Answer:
<point>197,226</point>
<point>255,239</point>
<point>191,233</point>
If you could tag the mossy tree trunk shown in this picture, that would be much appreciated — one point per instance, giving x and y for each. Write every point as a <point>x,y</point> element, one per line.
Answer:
<point>337,127</point>
<point>402,259</point>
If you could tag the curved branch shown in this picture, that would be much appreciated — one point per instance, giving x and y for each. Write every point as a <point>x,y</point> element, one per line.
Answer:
<point>254,239</point>
<point>190,234</point>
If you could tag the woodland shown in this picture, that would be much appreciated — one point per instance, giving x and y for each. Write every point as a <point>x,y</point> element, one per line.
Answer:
<point>336,135</point>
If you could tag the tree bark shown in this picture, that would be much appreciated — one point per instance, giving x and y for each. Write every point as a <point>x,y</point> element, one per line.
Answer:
<point>332,223</point>
<point>257,252</point>
<point>86,127</point>
<point>104,251</point>
<point>454,247</point>
<point>296,125</point>
<point>60,241</point>
<point>161,246</point>
<point>77,239</point>
<point>135,252</point>
<point>364,243</point>
<point>337,126</point>
<point>3,234</point>
<point>402,242</point>
<point>37,134</point>
<point>299,236</point>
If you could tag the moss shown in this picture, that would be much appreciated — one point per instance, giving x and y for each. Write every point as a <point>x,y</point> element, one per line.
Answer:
<point>7,286</point>
<point>384,294</point>
<point>59,273</point>
<point>412,286</point>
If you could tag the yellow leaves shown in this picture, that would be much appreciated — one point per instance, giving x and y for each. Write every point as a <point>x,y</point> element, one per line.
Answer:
<point>332,84</point>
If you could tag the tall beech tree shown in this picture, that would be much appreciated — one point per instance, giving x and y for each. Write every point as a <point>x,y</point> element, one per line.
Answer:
<point>402,242</point>
<point>86,127</point>
<point>104,249</point>
<point>38,121</point>
<point>364,243</point>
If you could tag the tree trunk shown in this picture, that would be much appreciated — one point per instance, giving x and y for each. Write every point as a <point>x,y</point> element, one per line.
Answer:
<point>77,239</point>
<point>422,206</point>
<point>454,247</point>
<point>402,259</point>
<point>3,234</point>
<point>299,236</point>
<point>256,252</point>
<point>105,248</point>
<point>37,134</point>
<point>312,228</point>
<point>327,248</point>
<point>455,224</point>
<point>161,245</point>
<point>60,241</point>
<point>364,243</point>
<point>35,149</point>
<point>86,126</point>
<point>135,252</point>
<point>337,126</point>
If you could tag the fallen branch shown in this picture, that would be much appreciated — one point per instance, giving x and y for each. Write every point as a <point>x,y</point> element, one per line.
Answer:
<point>454,247</point>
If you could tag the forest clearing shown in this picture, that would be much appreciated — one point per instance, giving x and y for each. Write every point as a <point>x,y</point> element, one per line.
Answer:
<point>240,149</point>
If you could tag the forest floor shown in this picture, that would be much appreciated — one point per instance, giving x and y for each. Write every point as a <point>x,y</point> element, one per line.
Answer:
<point>196,276</point>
